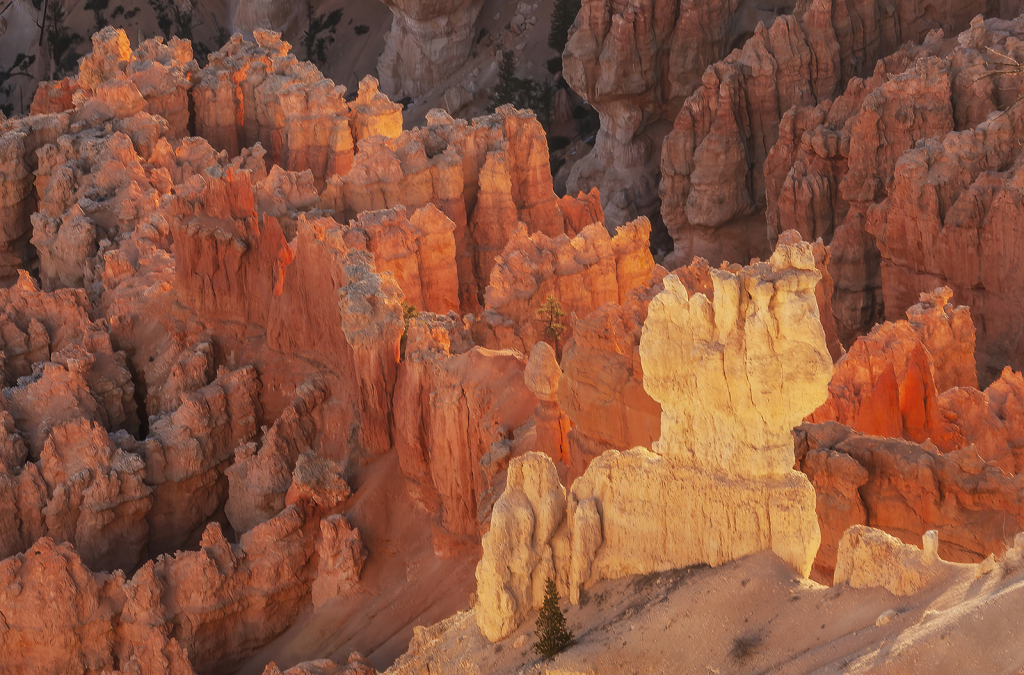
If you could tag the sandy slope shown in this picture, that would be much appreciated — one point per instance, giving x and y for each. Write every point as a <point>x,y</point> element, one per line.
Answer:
<point>755,616</point>
<point>405,584</point>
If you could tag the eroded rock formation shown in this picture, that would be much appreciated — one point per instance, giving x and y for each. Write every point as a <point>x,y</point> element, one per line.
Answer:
<point>582,274</point>
<point>428,42</point>
<point>635,64</point>
<point>739,351</point>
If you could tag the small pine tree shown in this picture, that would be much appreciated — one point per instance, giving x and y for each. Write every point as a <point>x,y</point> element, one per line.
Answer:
<point>562,18</point>
<point>552,635</point>
<point>320,31</point>
<point>508,84</point>
<point>551,314</point>
<point>409,312</point>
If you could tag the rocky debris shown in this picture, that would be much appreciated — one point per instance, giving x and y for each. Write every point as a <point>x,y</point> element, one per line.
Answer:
<point>870,558</point>
<point>260,93</point>
<point>261,474</point>
<point>342,554</point>
<point>744,344</point>
<point>454,405</point>
<point>428,42</point>
<point>635,64</point>
<point>581,273</point>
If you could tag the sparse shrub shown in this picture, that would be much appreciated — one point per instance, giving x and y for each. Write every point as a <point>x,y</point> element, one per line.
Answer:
<point>745,646</point>
<point>362,29</point>
<point>20,67</point>
<point>551,314</point>
<point>127,14</point>
<point>554,64</point>
<point>520,92</point>
<point>409,312</point>
<point>172,20</point>
<point>60,40</point>
<point>552,635</point>
<point>562,17</point>
<point>97,7</point>
<point>319,35</point>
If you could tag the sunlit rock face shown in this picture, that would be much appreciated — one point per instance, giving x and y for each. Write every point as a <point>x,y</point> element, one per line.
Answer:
<point>733,375</point>
<point>906,442</point>
<point>428,41</point>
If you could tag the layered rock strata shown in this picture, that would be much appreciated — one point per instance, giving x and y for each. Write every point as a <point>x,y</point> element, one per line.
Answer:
<point>455,404</point>
<point>260,93</point>
<point>486,177</point>
<point>906,489</point>
<point>888,384</point>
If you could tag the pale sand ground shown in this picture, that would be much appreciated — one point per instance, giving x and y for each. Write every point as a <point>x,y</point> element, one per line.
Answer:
<point>696,621</point>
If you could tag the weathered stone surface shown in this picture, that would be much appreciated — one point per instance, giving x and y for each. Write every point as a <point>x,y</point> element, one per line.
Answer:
<point>342,554</point>
<point>428,42</point>
<point>635,64</point>
<point>886,385</point>
<point>453,403</point>
<point>261,474</point>
<point>870,558</point>
<point>581,273</point>
<point>260,93</point>
<point>731,123</point>
<point>905,489</point>
<point>188,451</point>
<point>486,177</point>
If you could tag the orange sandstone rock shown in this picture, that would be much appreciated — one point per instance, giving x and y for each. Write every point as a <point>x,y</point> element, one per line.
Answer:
<point>582,274</point>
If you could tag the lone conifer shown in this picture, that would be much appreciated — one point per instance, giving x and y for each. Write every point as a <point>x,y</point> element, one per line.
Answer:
<point>552,635</point>
<point>562,17</point>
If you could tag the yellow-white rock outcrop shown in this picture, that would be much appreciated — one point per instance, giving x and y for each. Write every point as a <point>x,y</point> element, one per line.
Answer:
<point>733,374</point>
